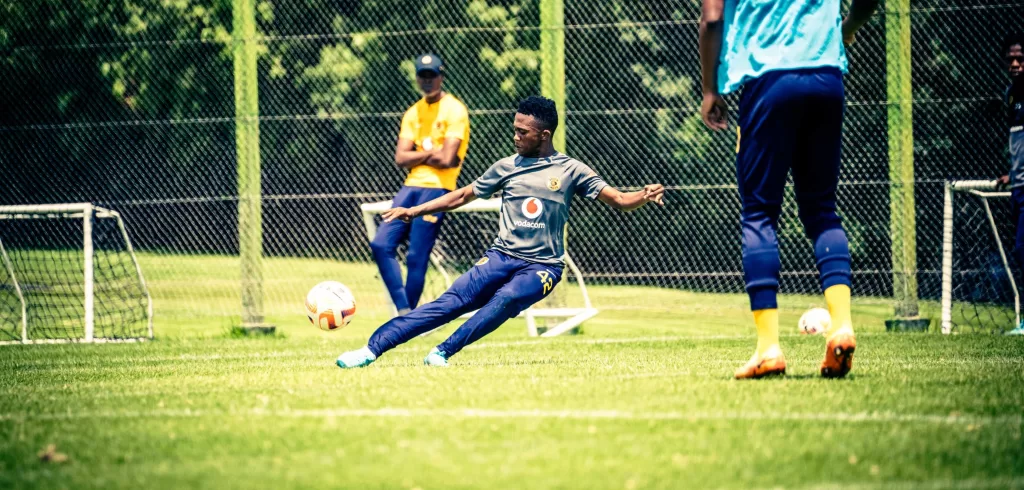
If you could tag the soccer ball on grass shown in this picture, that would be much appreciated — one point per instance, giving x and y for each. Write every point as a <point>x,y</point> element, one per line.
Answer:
<point>814,321</point>
<point>330,305</point>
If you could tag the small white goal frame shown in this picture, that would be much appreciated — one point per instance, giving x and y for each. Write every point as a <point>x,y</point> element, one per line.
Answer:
<point>984,189</point>
<point>86,212</point>
<point>573,316</point>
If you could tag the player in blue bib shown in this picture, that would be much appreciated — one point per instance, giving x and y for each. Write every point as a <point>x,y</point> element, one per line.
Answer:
<point>789,58</point>
<point>536,186</point>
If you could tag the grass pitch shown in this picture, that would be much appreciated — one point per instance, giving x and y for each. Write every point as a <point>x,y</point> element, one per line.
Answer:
<point>642,399</point>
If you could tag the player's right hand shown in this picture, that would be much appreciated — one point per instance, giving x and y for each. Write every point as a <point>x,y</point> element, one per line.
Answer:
<point>399,213</point>
<point>849,33</point>
<point>654,193</point>
<point>714,111</point>
<point>1003,181</point>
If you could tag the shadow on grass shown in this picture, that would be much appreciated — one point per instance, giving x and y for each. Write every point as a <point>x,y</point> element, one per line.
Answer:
<point>270,332</point>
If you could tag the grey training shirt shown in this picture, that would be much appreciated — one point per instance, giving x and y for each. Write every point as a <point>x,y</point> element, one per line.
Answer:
<point>535,198</point>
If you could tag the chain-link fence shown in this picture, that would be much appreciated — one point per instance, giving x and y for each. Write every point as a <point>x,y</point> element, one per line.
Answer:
<point>132,106</point>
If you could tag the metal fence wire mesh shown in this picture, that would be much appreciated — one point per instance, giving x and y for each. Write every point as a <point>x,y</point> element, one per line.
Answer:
<point>132,106</point>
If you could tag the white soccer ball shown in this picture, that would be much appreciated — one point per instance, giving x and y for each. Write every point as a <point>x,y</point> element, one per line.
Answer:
<point>814,321</point>
<point>330,305</point>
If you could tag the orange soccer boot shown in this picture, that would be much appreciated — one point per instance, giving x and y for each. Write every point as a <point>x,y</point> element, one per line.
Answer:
<point>772,363</point>
<point>839,349</point>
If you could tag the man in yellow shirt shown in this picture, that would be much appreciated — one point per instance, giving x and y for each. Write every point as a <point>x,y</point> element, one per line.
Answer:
<point>431,144</point>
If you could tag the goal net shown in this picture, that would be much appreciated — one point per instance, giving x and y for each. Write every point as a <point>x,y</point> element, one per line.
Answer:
<point>466,234</point>
<point>68,274</point>
<point>979,275</point>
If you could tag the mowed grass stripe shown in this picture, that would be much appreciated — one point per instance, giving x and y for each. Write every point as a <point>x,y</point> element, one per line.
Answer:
<point>860,417</point>
<point>293,350</point>
<point>973,483</point>
<point>157,368</point>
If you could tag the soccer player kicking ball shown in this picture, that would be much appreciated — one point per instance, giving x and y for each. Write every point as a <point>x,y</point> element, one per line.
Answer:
<point>789,57</point>
<point>525,263</point>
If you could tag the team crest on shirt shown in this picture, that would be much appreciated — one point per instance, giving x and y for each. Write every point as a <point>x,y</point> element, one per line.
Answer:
<point>482,261</point>
<point>532,207</point>
<point>554,184</point>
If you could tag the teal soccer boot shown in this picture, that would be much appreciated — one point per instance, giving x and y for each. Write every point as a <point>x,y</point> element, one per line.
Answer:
<point>436,358</point>
<point>356,358</point>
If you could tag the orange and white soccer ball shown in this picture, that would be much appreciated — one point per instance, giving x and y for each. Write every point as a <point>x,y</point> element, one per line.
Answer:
<point>330,305</point>
<point>814,321</point>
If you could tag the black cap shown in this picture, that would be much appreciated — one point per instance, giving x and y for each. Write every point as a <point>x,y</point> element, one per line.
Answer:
<point>431,63</point>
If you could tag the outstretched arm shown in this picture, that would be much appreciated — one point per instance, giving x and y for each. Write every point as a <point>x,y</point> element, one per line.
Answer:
<point>628,201</point>
<point>452,200</point>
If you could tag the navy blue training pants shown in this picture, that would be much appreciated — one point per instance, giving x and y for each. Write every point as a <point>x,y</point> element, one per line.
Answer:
<point>421,232</point>
<point>499,286</point>
<point>790,120</point>
<point>1017,203</point>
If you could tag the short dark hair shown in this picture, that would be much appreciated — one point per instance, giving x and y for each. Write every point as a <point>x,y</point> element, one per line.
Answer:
<point>541,108</point>
<point>1014,39</point>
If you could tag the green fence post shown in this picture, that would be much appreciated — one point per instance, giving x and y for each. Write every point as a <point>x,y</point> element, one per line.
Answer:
<point>552,61</point>
<point>552,86</point>
<point>247,142</point>
<point>902,222</point>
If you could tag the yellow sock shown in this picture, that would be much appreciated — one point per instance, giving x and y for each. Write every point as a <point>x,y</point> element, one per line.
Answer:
<point>767,322</point>
<point>838,299</point>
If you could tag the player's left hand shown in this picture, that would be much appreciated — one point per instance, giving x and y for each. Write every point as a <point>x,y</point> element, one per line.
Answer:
<point>399,213</point>
<point>654,193</point>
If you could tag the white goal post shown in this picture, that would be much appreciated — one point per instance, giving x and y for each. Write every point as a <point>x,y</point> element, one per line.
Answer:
<point>573,316</point>
<point>87,213</point>
<point>9,268</point>
<point>984,189</point>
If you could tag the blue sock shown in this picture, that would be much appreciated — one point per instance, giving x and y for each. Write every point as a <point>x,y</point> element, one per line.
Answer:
<point>832,253</point>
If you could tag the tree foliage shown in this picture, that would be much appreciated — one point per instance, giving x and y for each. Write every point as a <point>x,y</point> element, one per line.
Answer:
<point>133,101</point>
